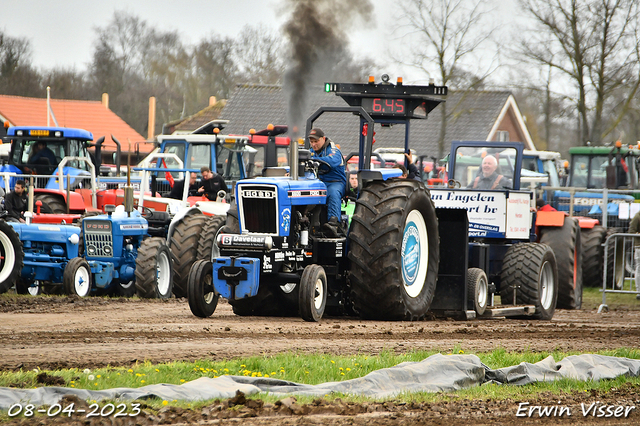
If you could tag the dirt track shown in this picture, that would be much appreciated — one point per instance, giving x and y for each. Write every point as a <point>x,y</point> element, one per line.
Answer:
<point>58,332</point>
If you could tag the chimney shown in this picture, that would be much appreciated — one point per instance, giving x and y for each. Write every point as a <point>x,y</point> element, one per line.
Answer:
<point>105,100</point>
<point>212,100</point>
<point>152,118</point>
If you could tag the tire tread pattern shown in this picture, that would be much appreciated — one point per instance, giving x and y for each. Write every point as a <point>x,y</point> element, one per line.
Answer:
<point>184,247</point>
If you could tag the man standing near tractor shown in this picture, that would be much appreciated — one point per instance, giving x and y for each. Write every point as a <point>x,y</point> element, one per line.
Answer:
<point>212,183</point>
<point>333,176</point>
<point>15,202</point>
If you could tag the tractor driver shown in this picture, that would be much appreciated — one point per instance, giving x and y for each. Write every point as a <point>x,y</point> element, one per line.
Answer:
<point>41,154</point>
<point>334,178</point>
<point>490,178</point>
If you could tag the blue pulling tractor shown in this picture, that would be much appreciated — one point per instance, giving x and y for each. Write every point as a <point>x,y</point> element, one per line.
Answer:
<point>274,258</point>
<point>118,258</point>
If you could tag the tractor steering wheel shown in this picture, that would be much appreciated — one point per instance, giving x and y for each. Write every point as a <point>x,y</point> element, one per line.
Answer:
<point>147,212</point>
<point>322,163</point>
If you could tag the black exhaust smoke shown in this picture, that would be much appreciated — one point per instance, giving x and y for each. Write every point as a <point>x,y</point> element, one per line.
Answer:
<point>317,34</point>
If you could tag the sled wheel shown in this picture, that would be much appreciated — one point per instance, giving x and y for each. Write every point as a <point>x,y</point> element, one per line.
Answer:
<point>566,245</point>
<point>77,277</point>
<point>531,271</point>
<point>11,257</point>
<point>154,269</point>
<point>477,290</point>
<point>203,299</point>
<point>393,251</point>
<point>207,244</point>
<point>313,293</point>
<point>184,246</point>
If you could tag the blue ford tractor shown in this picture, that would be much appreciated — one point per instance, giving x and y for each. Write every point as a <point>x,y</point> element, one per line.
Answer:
<point>272,257</point>
<point>120,258</point>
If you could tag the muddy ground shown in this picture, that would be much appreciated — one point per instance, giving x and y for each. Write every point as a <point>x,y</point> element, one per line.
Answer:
<point>62,332</point>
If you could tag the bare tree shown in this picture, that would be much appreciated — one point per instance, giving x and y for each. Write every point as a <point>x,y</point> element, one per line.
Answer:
<point>440,38</point>
<point>17,75</point>
<point>594,45</point>
<point>257,55</point>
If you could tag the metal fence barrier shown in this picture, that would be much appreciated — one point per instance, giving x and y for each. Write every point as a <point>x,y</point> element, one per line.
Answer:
<point>619,275</point>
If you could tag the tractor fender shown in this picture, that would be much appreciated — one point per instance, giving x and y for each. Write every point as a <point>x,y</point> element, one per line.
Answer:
<point>178,216</point>
<point>76,202</point>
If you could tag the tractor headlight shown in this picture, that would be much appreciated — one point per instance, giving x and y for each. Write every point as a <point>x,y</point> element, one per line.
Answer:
<point>74,239</point>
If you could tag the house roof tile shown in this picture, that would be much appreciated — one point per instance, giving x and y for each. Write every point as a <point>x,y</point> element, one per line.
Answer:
<point>88,115</point>
<point>474,114</point>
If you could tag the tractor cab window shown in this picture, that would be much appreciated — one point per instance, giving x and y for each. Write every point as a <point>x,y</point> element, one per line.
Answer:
<point>77,149</point>
<point>42,156</point>
<point>468,164</point>
<point>199,156</point>
<point>229,162</point>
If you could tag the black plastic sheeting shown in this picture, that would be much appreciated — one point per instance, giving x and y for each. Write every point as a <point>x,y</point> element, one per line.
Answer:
<point>435,374</point>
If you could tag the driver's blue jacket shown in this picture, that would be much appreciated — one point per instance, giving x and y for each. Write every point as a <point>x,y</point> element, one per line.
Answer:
<point>332,155</point>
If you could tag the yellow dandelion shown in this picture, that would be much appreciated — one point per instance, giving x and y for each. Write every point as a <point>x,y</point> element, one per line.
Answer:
<point>98,376</point>
<point>130,370</point>
<point>226,370</point>
<point>306,372</point>
<point>72,382</point>
<point>157,370</point>
<point>460,351</point>
<point>259,374</point>
<point>266,375</point>
<point>254,374</point>
<point>95,384</point>
<point>342,374</point>
<point>333,362</point>
<point>273,373</point>
<point>181,380</point>
<point>142,381</point>
<point>118,374</point>
<point>165,402</point>
<point>341,369</point>
<point>243,366</point>
<point>73,386</point>
<point>348,369</point>
<point>138,375</point>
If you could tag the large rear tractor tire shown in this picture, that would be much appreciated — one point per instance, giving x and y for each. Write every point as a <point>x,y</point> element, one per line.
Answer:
<point>154,269</point>
<point>77,278</point>
<point>184,246</point>
<point>51,204</point>
<point>207,244</point>
<point>393,251</point>
<point>202,296</point>
<point>592,255</point>
<point>566,245</point>
<point>531,270</point>
<point>313,293</point>
<point>11,257</point>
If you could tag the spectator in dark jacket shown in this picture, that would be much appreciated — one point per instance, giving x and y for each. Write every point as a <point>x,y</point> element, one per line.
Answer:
<point>16,202</point>
<point>212,183</point>
<point>178,188</point>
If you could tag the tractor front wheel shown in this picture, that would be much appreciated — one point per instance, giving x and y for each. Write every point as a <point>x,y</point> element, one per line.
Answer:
<point>313,293</point>
<point>154,269</point>
<point>11,257</point>
<point>77,279</point>
<point>202,296</point>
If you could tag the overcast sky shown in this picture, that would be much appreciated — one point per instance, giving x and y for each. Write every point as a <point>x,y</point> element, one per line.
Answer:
<point>62,32</point>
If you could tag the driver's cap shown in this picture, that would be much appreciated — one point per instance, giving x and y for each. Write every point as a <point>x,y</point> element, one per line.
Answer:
<point>316,134</point>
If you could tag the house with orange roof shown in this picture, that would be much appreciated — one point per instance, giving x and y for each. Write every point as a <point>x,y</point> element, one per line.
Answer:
<point>94,116</point>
